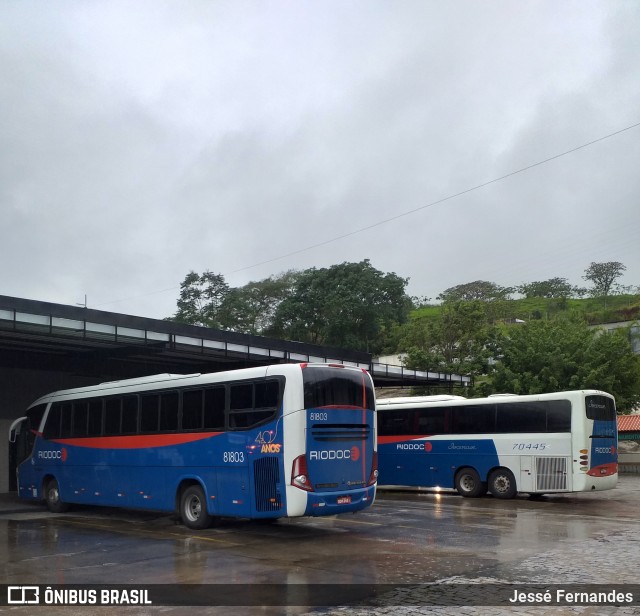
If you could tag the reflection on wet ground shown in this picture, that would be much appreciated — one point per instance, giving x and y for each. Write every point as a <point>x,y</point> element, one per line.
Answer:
<point>406,537</point>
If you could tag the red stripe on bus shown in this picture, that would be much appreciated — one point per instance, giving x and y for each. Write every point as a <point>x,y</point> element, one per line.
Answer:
<point>143,441</point>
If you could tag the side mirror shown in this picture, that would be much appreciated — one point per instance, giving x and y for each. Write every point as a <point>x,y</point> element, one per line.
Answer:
<point>15,429</point>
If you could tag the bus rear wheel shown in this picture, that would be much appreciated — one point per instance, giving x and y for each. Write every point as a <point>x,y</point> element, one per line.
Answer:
<point>468,483</point>
<point>52,497</point>
<point>502,483</point>
<point>193,508</point>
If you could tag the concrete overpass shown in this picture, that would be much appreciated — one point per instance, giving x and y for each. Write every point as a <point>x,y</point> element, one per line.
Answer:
<point>45,347</point>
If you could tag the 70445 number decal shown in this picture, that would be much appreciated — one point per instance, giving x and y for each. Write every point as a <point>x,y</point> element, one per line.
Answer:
<point>529,446</point>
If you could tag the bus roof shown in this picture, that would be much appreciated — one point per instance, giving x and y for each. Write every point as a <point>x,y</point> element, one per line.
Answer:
<point>414,399</point>
<point>386,403</point>
<point>157,381</point>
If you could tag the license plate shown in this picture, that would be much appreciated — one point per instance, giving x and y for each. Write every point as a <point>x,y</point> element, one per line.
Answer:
<point>344,500</point>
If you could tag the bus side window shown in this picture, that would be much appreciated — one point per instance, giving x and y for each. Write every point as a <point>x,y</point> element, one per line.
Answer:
<point>112,412</point>
<point>558,416</point>
<point>252,403</point>
<point>95,417</point>
<point>52,425</point>
<point>192,407</point>
<point>214,405</point>
<point>240,399</point>
<point>80,418</point>
<point>266,401</point>
<point>66,419</point>
<point>149,413</point>
<point>394,422</point>
<point>267,395</point>
<point>169,411</point>
<point>522,417</point>
<point>474,419</point>
<point>431,421</point>
<point>129,414</point>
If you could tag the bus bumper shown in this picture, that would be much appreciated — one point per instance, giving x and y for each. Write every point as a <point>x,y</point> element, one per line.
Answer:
<point>332,503</point>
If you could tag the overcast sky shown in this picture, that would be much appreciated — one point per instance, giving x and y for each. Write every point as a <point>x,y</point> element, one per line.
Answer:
<point>142,140</point>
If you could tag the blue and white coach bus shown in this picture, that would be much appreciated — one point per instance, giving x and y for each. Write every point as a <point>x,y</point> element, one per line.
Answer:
<point>538,444</point>
<point>283,440</point>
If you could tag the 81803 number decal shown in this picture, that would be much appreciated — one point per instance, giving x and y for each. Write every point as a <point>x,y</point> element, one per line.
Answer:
<point>233,456</point>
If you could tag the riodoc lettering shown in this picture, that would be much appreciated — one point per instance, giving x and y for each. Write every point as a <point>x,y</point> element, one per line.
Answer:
<point>331,454</point>
<point>409,446</point>
<point>50,455</point>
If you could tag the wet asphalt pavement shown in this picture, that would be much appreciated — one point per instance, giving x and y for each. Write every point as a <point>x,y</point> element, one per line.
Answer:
<point>406,538</point>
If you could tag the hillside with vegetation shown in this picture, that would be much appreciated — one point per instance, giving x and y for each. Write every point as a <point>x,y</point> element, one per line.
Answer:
<point>534,338</point>
<point>594,310</point>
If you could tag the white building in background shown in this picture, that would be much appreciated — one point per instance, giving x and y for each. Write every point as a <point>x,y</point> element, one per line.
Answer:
<point>634,332</point>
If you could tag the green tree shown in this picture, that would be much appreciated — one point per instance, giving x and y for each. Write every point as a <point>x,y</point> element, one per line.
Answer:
<point>603,276</point>
<point>201,296</point>
<point>251,309</point>
<point>554,288</point>
<point>566,354</point>
<point>454,341</point>
<point>477,290</point>
<point>351,305</point>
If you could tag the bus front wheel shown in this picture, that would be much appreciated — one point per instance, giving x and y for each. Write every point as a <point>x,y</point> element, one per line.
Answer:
<point>468,483</point>
<point>193,508</point>
<point>502,483</point>
<point>52,497</point>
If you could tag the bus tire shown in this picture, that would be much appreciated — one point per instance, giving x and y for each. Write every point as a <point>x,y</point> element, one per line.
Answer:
<point>502,483</point>
<point>193,508</point>
<point>468,483</point>
<point>52,497</point>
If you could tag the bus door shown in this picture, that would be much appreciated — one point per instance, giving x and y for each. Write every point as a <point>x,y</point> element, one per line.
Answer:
<point>526,481</point>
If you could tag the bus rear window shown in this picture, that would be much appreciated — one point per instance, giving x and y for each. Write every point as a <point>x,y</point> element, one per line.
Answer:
<point>600,408</point>
<point>325,386</point>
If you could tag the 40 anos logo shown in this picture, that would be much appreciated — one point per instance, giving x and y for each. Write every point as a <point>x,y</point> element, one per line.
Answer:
<point>352,454</point>
<point>270,448</point>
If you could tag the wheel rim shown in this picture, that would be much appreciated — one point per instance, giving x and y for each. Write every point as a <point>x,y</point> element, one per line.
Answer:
<point>502,484</point>
<point>193,508</point>
<point>53,496</point>
<point>467,483</point>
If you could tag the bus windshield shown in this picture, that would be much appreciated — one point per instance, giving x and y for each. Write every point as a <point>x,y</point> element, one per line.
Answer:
<point>324,386</point>
<point>600,408</point>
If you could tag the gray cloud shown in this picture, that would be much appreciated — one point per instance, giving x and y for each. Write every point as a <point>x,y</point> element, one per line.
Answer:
<point>142,141</point>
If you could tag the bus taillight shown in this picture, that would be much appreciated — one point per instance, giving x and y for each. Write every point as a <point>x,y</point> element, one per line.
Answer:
<point>373,477</point>
<point>300,474</point>
<point>584,460</point>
